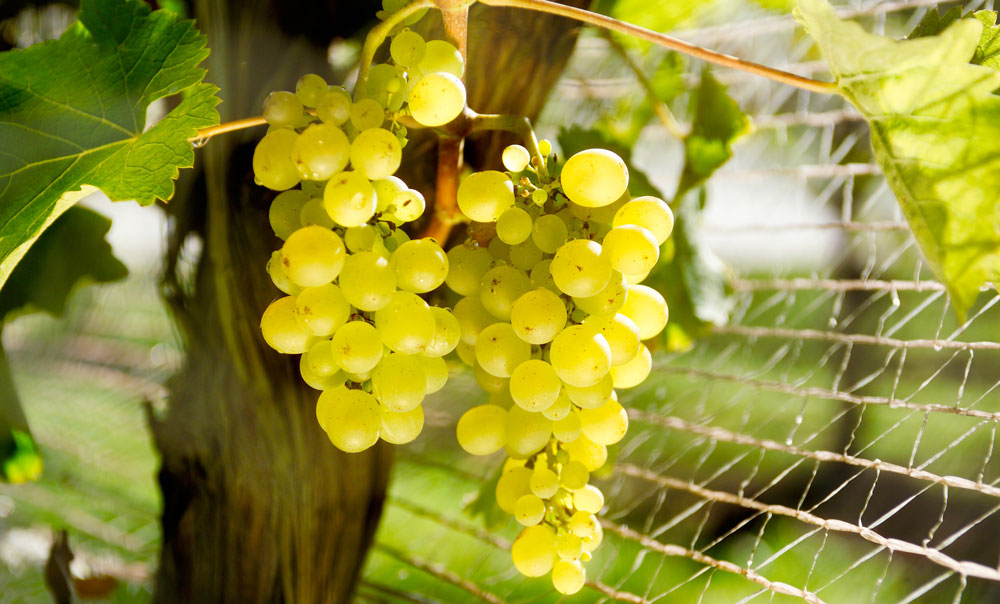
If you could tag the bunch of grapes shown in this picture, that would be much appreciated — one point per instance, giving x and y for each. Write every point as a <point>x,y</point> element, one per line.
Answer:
<point>352,276</point>
<point>553,320</point>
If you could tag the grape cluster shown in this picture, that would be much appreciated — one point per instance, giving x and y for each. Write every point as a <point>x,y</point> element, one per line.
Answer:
<point>352,276</point>
<point>553,319</point>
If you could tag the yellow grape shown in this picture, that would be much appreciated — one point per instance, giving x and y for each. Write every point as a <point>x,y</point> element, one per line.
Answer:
<point>647,309</point>
<point>282,330</point>
<point>484,196</point>
<point>481,431</point>
<point>349,417</point>
<point>533,550</point>
<point>635,371</point>
<point>594,178</point>
<point>648,212</point>
<point>401,428</point>
<point>436,99</point>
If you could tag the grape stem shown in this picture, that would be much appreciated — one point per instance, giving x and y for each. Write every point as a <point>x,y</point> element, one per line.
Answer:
<point>609,23</point>
<point>377,36</point>
<point>206,133</point>
<point>660,108</point>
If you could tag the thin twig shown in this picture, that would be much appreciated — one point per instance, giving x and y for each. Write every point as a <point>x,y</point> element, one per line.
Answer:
<point>853,338</point>
<point>206,133</point>
<point>439,572</point>
<point>660,108</point>
<point>745,285</point>
<point>585,16</point>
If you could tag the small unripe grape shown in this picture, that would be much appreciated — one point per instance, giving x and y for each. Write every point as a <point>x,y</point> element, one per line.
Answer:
<point>284,212</point>
<point>367,113</point>
<point>544,147</point>
<point>514,226</point>
<point>594,178</point>
<point>515,158</point>
<point>559,409</point>
<point>466,267</point>
<point>529,510</point>
<point>549,233</point>
<point>544,482</point>
<point>407,48</point>
<point>334,106</point>
<point>310,89</point>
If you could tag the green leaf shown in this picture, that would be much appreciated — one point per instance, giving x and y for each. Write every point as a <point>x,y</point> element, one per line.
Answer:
<point>19,458</point>
<point>71,251</point>
<point>934,22</point>
<point>75,109</point>
<point>987,51</point>
<point>483,502</point>
<point>935,129</point>
<point>717,121</point>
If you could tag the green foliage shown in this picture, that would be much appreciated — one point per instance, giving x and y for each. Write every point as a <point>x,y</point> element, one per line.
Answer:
<point>483,503</point>
<point>935,129</point>
<point>629,117</point>
<point>716,122</point>
<point>71,251</point>
<point>987,51</point>
<point>76,108</point>
<point>19,459</point>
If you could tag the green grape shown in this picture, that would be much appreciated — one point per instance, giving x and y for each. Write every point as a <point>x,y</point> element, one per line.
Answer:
<point>594,178</point>
<point>399,382</point>
<point>584,525</point>
<point>282,109</point>
<point>436,99</point>
<point>480,431</point>
<point>384,80</point>
<point>447,333</point>
<point>284,212</point>
<point>606,301</point>
<point>313,256</point>
<point>320,359</point>
<point>466,353</point>
<point>513,484</point>
<point>502,397</point>
<point>526,432</point>
<point>605,425</point>
<point>272,160</point>
<point>651,213</point>
<point>361,238</point>
<point>620,332</point>
<point>472,318</point>
<point>499,250</point>
<point>569,546</point>
<point>436,371</point>
<point>574,475</point>
<point>539,197</point>
<point>484,196</point>
<point>588,499</point>
<point>534,385</point>
<point>396,239</point>
<point>405,323</point>
<point>549,233</point>
<point>568,428</point>
<point>560,408</point>
<point>281,329</point>
<point>408,206</point>
<point>334,106</point>
<point>310,89</point>
<point>579,268</point>
<point>322,309</point>
<point>544,147</point>
<point>401,428</point>
<point>591,543</point>
<point>386,191</point>
<point>529,510</point>
<point>631,249</point>
<point>534,550</point>
<point>499,350</point>
<point>647,309</point>
<point>592,455</point>
<point>349,417</point>
<point>525,256</point>
<point>580,355</point>
<point>313,188</point>
<point>320,151</point>
<point>407,48</point>
<point>367,113</point>
<point>420,264</point>
<point>276,270</point>
<point>466,267</point>
<point>317,381</point>
<point>635,371</point>
<point>591,397</point>
<point>440,56</point>
<point>568,576</point>
<point>514,226</point>
<point>544,482</point>
<point>488,382</point>
<point>500,288</point>
<point>314,214</point>
<point>515,158</point>
<point>357,347</point>
<point>541,277</point>
<point>537,316</point>
<point>375,153</point>
<point>350,199</point>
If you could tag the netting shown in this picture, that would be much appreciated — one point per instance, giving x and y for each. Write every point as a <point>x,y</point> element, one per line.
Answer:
<point>832,443</point>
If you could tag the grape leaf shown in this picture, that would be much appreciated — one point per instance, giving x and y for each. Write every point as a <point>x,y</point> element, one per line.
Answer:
<point>935,129</point>
<point>19,459</point>
<point>987,51</point>
<point>73,111</point>
<point>716,123</point>
<point>72,250</point>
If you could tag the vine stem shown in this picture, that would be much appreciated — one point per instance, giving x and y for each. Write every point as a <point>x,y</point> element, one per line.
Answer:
<point>377,35</point>
<point>609,23</point>
<point>206,133</point>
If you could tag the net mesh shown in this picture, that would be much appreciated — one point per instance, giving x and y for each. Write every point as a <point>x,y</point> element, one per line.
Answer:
<point>832,443</point>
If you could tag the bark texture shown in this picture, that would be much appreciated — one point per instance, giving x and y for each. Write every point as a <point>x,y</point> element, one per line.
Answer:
<point>258,505</point>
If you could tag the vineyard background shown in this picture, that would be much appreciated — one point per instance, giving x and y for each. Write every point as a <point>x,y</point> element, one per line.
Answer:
<point>834,442</point>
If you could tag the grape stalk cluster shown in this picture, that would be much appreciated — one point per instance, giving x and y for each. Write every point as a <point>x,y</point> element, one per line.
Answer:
<point>352,276</point>
<point>553,319</point>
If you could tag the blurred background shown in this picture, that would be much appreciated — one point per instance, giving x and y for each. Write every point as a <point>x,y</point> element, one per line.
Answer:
<point>818,426</point>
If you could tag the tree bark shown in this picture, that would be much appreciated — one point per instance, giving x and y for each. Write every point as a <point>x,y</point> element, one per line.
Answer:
<point>258,506</point>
